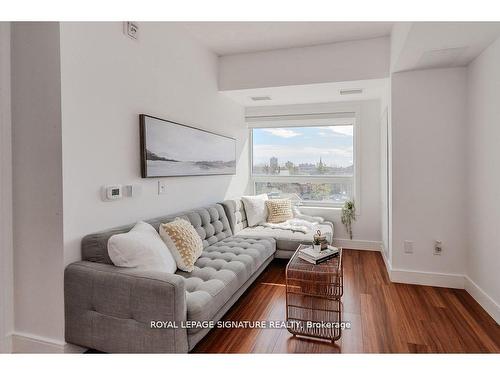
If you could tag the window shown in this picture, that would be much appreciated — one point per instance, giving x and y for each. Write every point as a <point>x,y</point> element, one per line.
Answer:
<point>313,165</point>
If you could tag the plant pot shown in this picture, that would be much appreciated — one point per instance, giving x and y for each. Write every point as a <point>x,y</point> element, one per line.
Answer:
<point>317,248</point>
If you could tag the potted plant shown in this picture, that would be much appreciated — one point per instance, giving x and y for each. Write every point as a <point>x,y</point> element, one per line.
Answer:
<point>348,216</point>
<point>317,244</point>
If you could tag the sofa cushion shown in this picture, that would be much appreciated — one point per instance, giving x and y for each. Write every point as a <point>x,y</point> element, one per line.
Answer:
<point>183,241</point>
<point>236,214</point>
<point>285,238</point>
<point>210,223</point>
<point>220,271</point>
<point>255,207</point>
<point>279,210</point>
<point>142,248</point>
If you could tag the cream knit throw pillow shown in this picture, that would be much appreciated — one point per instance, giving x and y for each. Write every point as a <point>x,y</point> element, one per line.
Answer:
<point>183,241</point>
<point>279,210</point>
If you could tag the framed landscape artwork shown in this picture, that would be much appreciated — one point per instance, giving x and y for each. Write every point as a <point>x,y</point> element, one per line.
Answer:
<point>172,149</point>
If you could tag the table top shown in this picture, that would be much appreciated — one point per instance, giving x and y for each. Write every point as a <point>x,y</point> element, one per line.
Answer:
<point>330,266</point>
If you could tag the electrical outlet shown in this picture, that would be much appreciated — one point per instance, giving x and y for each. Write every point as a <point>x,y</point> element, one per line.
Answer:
<point>438,248</point>
<point>408,246</point>
<point>162,187</point>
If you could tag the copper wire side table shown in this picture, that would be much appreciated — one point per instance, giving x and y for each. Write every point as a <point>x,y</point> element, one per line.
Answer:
<point>313,297</point>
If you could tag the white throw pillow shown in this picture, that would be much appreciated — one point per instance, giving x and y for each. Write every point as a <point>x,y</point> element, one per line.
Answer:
<point>143,248</point>
<point>255,208</point>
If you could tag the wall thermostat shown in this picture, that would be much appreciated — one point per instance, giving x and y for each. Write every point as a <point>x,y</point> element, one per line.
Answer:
<point>113,192</point>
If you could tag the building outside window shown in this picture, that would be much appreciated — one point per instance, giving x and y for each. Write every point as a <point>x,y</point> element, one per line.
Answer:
<point>313,165</point>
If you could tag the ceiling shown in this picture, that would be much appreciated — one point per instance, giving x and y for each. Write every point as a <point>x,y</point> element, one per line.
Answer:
<point>226,38</point>
<point>313,93</point>
<point>427,45</point>
<point>414,45</point>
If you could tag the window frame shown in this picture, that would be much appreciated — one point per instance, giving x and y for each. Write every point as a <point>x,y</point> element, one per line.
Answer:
<point>335,120</point>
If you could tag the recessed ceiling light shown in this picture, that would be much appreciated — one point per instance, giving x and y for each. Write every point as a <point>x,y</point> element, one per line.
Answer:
<point>350,91</point>
<point>259,98</point>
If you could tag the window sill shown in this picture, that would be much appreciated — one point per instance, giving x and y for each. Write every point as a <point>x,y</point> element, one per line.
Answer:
<point>325,208</point>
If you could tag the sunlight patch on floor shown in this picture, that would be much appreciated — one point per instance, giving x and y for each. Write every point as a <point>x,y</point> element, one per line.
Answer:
<point>273,284</point>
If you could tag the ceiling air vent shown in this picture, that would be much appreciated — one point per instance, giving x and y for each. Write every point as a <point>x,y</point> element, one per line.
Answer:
<point>442,58</point>
<point>350,91</point>
<point>260,98</point>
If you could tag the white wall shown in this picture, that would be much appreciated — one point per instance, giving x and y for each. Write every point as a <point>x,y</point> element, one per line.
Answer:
<point>37,180</point>
<point>77,90</point>
<point>428,169</point>
<point>337,62</point>
<point>483,182</point>
<point>368,225</point>
<point>6,251</point>
<point>107,80</point>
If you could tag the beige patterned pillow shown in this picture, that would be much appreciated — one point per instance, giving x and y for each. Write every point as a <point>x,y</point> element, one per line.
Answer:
<point>279,210</point>
<point>183,242</point>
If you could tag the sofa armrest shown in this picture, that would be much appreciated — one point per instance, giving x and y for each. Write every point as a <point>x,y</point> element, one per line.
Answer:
<point>110,308</point>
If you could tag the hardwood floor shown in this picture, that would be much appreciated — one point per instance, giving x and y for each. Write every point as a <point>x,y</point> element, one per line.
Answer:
<point>385,317</point>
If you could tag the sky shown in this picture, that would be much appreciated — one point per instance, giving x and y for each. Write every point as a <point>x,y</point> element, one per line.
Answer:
<point>304,145</point>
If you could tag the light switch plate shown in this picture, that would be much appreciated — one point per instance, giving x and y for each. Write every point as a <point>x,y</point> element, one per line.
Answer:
<point>132,190</point>
<point>162,187</point>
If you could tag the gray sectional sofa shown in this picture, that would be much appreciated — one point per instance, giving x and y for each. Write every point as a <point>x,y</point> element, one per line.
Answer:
<point>110,309</point>
<point>287,241</point>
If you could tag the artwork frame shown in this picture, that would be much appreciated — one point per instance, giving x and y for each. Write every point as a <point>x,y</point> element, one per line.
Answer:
<point>164,154</point>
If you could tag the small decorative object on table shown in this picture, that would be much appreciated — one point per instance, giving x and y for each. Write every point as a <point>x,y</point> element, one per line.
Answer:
<point>313,256</point>
<point>316,245</point>
<point>320,239</point>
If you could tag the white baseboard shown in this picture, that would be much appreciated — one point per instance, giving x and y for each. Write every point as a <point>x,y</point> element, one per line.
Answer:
<point>445,280</point>
<point>486,302</point>
<point>357,244</point>
<point>28,343</point>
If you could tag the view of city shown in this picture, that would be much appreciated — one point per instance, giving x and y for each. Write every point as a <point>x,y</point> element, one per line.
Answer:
<point>288,168</point>
<point>304,151</point>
